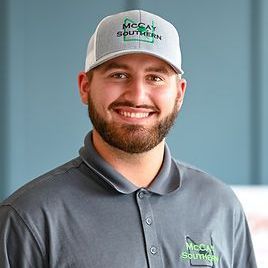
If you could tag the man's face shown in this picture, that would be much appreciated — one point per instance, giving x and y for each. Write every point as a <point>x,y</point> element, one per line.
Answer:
<point>133,101</point>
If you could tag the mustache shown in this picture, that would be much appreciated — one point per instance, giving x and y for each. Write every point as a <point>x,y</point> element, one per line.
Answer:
<point>130,104</point>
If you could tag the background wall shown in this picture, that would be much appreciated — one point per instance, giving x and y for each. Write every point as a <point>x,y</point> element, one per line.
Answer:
<point>222,127</point>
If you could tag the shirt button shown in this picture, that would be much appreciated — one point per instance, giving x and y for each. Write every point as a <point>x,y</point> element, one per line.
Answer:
<point>141,195</point>
<point>149,220</point>
<point>153,250</point>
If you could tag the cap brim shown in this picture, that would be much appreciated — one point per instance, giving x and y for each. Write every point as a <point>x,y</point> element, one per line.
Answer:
<point>132,51</point>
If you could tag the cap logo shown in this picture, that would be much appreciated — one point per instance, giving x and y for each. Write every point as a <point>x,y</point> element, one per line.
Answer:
<point>138,31</point>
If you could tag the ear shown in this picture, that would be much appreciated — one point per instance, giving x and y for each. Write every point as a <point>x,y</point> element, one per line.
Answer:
<point>182,83</point>
<point>83,85</point>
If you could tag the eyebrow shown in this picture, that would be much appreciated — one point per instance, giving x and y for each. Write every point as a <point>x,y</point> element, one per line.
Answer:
<point>114,65</point>
<point>158,69</point>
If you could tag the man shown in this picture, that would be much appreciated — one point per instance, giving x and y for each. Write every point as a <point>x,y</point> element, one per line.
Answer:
<point>125,202</point>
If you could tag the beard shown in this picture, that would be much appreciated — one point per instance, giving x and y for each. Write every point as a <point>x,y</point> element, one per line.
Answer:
<point>131,138</point>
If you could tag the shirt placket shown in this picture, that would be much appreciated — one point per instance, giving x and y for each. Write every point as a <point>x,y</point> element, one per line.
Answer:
<point>150,234</point>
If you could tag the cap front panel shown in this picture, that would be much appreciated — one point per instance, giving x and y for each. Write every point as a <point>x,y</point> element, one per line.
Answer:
<point>137,31</point>
<point>134,31</point>
<point>112,34</point>
<point>164,40</point>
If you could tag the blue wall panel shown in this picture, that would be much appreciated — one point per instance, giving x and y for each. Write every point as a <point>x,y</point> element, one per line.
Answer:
<point>264,92</point>
<point>3,95</point>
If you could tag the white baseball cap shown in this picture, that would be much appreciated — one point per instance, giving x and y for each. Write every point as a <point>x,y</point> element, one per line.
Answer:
<point>134,31</point>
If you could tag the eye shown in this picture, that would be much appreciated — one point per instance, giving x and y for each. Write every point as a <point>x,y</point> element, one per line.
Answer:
<point>155,78</point>
<point>119,75</point>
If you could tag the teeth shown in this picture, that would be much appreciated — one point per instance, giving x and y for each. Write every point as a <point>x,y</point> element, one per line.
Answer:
<point>134,115</point>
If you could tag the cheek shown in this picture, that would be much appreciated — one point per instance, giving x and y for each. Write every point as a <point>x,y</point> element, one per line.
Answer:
<point>167,100</point>
<point>102,98</point>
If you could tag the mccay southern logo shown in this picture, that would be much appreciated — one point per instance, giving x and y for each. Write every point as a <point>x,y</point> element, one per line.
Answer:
<point>199,254</point>
<point>138,31</point>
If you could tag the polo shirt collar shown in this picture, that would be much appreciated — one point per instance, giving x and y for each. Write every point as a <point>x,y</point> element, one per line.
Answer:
<point>167,181</point>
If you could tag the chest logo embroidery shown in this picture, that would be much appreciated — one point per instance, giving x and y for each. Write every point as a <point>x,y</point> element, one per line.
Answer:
<point>199,254</point>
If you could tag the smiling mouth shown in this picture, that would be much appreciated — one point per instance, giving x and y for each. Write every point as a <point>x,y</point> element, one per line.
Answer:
<point>129,111</point>
<point>133,115</point>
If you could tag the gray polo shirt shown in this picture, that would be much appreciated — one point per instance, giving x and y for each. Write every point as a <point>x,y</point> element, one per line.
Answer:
<point>85,214</point>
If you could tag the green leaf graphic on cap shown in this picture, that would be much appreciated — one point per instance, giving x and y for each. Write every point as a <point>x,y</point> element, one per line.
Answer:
<point>136,32</point>
<point>141,29</point>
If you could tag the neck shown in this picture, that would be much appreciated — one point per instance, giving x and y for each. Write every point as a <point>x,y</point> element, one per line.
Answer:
<point>140,168</point>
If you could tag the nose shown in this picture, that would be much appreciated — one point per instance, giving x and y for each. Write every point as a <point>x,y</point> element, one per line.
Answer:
<point>137,92</point>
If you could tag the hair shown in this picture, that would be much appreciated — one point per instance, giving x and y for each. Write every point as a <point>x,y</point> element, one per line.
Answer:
<point>90,75</point>
<point>179,76</point>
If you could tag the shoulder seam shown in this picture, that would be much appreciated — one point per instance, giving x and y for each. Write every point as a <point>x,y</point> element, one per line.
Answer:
<point>46,177</point>
<point>185,165</point>
<point>29,229</point>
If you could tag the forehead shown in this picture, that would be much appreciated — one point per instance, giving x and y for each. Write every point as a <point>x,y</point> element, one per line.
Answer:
<point>137,61</point>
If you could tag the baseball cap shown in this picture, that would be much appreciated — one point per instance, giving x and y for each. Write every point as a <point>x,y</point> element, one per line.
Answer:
<point>134,31</point>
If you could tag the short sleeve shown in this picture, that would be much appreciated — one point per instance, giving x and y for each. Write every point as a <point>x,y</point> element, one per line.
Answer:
<point>244,256</point>
<point>18,247</point>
